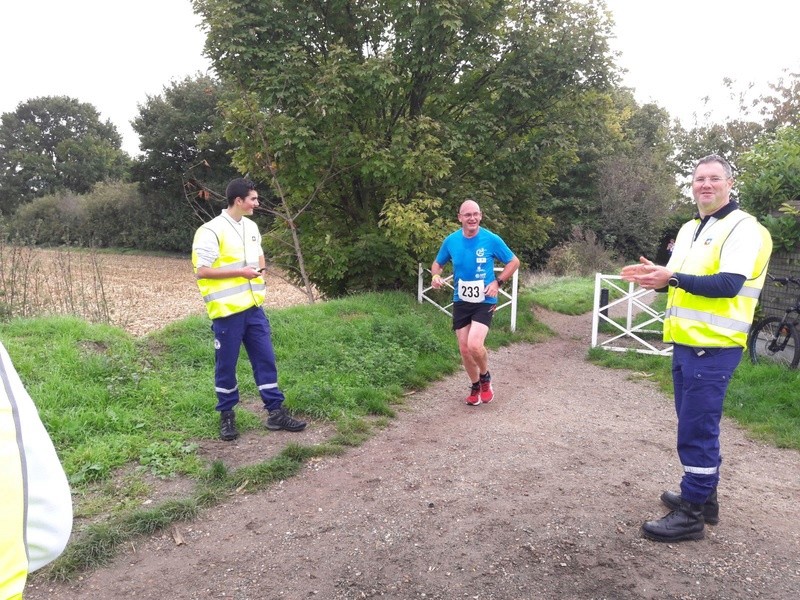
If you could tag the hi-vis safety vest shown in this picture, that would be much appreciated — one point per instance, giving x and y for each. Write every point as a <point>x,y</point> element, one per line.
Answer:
<point>35,503</point>
<point>13,556</point>
<point>224,297</point>
<point>698,321</point>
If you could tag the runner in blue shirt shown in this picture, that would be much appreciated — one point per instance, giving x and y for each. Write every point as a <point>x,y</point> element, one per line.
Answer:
<point>473,250</point>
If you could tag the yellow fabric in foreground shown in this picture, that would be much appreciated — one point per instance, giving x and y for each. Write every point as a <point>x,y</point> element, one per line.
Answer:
<point>13,558</point>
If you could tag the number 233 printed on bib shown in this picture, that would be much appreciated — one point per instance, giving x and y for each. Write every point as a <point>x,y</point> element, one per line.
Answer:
<point>471,291</point>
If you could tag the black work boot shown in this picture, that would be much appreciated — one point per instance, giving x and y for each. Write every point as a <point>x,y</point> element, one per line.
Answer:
<point>672,501</point>
<point>281,419</point>
<point>684,523</point>
<point>227,425</point>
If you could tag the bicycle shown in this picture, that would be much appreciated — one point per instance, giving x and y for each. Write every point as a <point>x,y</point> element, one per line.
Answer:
<point>777,340</point>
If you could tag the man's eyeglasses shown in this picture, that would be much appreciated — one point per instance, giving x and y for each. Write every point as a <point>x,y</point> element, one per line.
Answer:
<point>474,215</point>
<point>715,179</point>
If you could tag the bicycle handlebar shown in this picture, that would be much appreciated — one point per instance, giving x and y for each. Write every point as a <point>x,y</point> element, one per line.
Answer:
<point>784,280</point>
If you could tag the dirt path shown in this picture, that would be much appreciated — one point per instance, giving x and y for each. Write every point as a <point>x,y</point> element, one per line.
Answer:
<point>538,495</point>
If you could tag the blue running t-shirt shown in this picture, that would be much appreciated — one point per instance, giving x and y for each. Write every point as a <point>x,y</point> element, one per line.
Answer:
<point>473,263</point>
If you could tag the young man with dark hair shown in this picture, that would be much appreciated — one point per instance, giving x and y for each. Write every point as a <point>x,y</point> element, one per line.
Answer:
<point>228,262</point>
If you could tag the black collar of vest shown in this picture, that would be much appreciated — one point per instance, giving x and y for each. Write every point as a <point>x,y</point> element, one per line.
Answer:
<point>722,212</point>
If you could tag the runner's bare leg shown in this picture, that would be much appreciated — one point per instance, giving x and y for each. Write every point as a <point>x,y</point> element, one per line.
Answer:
<point>474,356</point>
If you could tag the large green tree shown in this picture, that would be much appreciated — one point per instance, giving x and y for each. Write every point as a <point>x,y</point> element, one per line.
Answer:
<point>728,139</point>
<point>374,119</point>
<point>185,162</point>
<point>757,118</point>
<point>624,184</point>
<point>55,143</point>
<point>636,185</point>
<point>181,139</point>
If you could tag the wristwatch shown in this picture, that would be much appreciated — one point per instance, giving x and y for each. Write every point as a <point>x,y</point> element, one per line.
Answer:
<point>674,281</point>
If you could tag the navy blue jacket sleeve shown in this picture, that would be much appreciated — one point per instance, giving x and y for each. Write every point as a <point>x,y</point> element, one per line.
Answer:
<point>720,285</point>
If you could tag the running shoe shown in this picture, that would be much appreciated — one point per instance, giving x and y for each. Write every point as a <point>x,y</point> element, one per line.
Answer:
<point>474,397</point>
<point>487,393</point>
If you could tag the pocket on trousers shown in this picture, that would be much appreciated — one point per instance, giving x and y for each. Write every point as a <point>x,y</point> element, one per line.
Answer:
<point>706,391</point>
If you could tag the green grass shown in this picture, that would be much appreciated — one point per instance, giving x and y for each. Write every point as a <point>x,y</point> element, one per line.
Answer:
<point>567,295</point>
<point>653,331</point>
<point>761,398</point>
<point>121,409</point>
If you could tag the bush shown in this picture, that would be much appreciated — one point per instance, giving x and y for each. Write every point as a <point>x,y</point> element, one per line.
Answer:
<point>50,220</point>
<point>581,255</point>
<point>769,181</point>
<point>114,214</point>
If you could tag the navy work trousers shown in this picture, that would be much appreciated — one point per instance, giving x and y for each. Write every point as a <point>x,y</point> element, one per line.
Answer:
<point>251,328</point>
<point>700,377</point>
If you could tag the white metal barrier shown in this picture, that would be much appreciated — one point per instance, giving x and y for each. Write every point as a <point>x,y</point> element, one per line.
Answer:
<point>632,302</point>
<point>510,298</point>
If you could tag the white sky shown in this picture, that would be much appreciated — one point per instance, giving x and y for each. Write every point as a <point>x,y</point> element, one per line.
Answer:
<point>679,51</point>
<point>113,54</point>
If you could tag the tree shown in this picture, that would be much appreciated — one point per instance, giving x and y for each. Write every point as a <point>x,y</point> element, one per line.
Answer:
<point>635,194</point>
<point>730,140</point>
<point>770,184</point>
<point>782,106</point>
<point>757,117</point>
<point>180,136</point>
<point>636,185</point>
<point>624,183</point>
<point>55,143</point>
<point>375,119</point>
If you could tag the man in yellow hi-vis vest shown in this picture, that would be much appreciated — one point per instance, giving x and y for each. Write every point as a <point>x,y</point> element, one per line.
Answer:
<point>714,277</point>
<point>229,262</point>
<point>35,503</point>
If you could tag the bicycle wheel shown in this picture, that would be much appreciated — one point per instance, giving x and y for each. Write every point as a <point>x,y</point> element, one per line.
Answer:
<point>772,341</point>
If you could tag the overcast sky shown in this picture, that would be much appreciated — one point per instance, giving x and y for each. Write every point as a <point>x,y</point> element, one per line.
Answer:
<point>679,51</point>
<point>107,53</point>
<point>114,54</point>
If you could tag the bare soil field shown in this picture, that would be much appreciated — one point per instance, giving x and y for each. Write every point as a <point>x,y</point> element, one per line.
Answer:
<point>147,292</point>
<point>538,495</point>
<point>139,293</point>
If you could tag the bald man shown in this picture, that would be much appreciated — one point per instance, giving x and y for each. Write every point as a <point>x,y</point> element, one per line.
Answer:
<point>473,250</point>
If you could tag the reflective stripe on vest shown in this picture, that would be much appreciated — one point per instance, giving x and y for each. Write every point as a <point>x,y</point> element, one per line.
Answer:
<point>224,297</point>
<point>245,287</point>
<point>699,321</point>
<point>710,318</point>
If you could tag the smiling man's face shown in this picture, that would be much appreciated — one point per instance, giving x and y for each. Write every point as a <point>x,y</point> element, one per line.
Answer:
<point>469,215</point>
<point>711,188</point>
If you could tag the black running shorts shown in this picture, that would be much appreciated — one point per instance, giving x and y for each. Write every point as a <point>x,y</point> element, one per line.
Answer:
<point>465,313</point>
